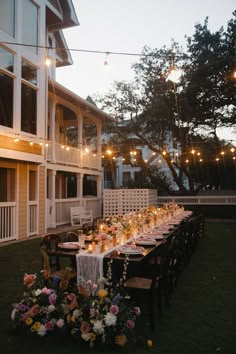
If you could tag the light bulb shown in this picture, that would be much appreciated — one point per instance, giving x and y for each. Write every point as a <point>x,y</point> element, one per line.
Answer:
<point>48,62</point>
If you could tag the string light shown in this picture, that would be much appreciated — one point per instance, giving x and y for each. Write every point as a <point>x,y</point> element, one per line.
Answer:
<point>106,60</point>
<point>63,49</point>
<point>48,62</point>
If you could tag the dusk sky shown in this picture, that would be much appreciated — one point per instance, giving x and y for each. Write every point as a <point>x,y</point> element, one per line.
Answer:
<point>126,26</point>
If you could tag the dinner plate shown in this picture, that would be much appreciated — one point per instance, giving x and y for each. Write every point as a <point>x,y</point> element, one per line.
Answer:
<point>131,250</point>
<point>159,237</point>
<point>69,245</point>
<point>145,241</point>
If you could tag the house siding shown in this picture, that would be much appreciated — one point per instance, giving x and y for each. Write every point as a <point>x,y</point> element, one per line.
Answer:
<point>22,201</point>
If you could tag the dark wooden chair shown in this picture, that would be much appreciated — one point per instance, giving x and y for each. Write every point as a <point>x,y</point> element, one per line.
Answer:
<point>71,237</point>
<point>50,241</point>
<point>144,286</point>
<point>60,279</point>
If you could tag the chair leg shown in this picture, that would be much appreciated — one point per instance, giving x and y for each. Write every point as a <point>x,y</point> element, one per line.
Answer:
<point>152,311</point>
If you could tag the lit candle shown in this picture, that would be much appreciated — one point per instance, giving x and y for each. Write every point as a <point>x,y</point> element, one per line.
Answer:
<point>90,249</point>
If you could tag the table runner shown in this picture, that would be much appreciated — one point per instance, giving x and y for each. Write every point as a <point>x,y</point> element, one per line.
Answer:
<point>90,265</point>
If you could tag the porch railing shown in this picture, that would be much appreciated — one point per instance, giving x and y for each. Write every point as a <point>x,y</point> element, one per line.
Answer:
<point>8,221</point>
<point>63,208</point>
<point>33,218</point>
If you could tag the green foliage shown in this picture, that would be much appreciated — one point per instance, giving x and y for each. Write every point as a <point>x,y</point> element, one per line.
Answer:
<point>164,115</point>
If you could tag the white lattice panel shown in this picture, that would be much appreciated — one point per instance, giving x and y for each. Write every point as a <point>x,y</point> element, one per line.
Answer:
<point>123,201</point>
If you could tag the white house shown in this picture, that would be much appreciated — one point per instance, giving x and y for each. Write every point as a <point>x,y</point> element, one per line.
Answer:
<point>50,138</point>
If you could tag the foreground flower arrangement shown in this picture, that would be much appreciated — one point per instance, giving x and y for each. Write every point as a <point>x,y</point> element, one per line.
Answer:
<point>90,313</point>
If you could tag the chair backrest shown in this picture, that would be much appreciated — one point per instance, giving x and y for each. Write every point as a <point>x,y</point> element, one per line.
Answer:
<point>51,241</point>
<point>75,211</point>
<point>71,237</point>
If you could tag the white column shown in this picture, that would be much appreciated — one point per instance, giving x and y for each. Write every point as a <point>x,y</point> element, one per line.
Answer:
<point>99,186</point>
<point>80,136</point>
<point>52,198</point>
<point>79,179</point>
<point>99,194</point>
<point>99,143</point>
<point>52,128</point>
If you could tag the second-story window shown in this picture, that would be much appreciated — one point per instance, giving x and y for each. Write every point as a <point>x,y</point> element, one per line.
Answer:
<point>7,16</point>
<point>30,25</point>
<point>28,98</point>
<point>6,87</point>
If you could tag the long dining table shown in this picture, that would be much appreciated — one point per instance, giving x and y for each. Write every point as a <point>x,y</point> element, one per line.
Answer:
<point>92,265</point>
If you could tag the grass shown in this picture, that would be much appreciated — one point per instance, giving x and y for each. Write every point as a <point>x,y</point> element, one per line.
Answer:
<point>200,320</point>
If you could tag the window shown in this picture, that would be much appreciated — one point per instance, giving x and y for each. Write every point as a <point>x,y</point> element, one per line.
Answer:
<point>28,109</point>
<point>6,88</point>
<point>126,178</point>
<point>7,16</point>
<point>29,73</point>
<point>28,98</point>
<point>30,25</point>
<point>6,60</point>
<point>7,184</point>
<point>32,185</point>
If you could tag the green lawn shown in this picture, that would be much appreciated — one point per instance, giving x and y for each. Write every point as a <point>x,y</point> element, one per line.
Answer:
<point>200,320</point>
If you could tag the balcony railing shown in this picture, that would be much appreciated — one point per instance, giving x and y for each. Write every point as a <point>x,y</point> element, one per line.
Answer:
<point>72,156</point>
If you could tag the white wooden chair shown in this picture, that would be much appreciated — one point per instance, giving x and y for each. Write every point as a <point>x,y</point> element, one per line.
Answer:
<point>79,216</point>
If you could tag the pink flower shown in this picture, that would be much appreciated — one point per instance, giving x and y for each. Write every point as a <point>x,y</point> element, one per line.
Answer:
<point>89,282</point>
<point>52,299</point>
<point>24,316</point>
<point>114,309</point>
<point>49,325</point>
<point>60,323</point>
<point>85,327</point>
<point>46,291</point>
<point>71,297</point>
<point>137,311</point>
<point>92,312</point>
<point>29,279</point>
<point>95,286</point>
<point>34,310</point>
<point>130,324</point>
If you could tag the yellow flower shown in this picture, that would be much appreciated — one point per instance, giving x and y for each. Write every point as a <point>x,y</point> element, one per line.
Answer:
<point>35,326</point>
<point>121,340</point>
<point>149,343</point>
<point>28,321</point>
<point>92,336</point>
<point>102,293</point>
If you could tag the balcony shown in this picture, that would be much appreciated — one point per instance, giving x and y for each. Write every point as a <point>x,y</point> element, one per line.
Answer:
<point>61,154</point>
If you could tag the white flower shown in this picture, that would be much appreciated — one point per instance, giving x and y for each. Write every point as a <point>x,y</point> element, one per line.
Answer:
<point>38,292</point>
<point>13,314</point>
<point>85,336</point>
<point>98,327</point>
<point>42,331</point>
<point>110,319</point>
<point>51,308</point>
<point>76,313</point>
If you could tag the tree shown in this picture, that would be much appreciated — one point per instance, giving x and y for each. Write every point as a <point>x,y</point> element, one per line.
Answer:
<point>162,114</point>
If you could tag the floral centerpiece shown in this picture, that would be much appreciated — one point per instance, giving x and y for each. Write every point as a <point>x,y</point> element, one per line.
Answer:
<point>91,312</point>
